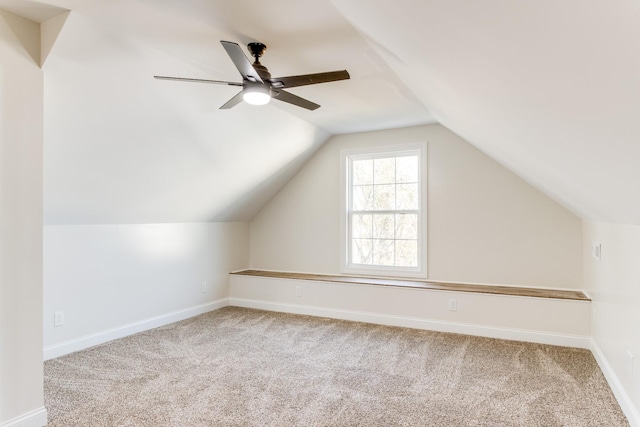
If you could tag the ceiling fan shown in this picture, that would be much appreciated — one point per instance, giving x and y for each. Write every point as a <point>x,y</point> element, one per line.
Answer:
<point>258,87</point>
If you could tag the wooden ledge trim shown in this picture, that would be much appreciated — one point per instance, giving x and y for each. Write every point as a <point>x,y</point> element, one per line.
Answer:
<point>423,284</point>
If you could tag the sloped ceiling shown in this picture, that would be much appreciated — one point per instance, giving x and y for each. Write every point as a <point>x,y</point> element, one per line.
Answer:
<point>549,89</point>
<point>122,147</point>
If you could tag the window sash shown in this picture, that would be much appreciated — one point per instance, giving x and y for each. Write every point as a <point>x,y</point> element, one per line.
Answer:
<point>350,211</point>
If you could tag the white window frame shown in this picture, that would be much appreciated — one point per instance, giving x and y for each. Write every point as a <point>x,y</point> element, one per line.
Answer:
<point>346,266</point>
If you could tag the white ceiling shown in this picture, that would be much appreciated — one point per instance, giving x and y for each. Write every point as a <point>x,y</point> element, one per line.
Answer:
<point>549,89</point>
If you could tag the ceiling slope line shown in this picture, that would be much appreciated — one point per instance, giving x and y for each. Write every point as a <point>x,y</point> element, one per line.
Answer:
<point>49,32</point>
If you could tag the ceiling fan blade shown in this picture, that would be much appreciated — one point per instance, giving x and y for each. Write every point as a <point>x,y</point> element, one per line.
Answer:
<point>183,79</point>
<point>309,79</point>
<point>232,102</point>
<point>285,96</point>
<point>241,62</point>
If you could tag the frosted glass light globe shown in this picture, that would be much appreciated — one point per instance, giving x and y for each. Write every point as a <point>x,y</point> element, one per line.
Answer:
<point>256,95</point>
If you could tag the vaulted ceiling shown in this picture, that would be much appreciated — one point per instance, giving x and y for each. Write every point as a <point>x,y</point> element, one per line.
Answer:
<point>549,89</point>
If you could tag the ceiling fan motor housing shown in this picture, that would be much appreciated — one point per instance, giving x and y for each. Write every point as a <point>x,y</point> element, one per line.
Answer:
<point>262,71</point>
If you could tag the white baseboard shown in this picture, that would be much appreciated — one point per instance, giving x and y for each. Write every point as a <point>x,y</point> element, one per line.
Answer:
<point>418,323</point>
<point>35,418</point>
<point>77,344</point>
<point>629,409</point>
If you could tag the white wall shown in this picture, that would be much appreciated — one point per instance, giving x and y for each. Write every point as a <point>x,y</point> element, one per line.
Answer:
<point>614,285</point>
<point>485,224</point>
<point>565,322</point>
<point>21,95</point>
<point>105,277</point>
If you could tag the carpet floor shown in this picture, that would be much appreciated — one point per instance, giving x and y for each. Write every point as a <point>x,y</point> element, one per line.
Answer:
<point>243,367</point>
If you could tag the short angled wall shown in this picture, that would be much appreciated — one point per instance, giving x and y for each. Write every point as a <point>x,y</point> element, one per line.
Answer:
<point>540,320</point>
<point>113,279</point>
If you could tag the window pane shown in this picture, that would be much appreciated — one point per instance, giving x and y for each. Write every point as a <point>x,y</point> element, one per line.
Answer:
<point>361,251</point>
<point>407,196</point>
<point>384,171</point>
<point>406,253</point>
<point>362,226</point>
<point>362,172</point>
<point>383,227</point>
<point>383,252</point>
<point>363,198</point>
<point>384,197</point>
<point>406,226</point>
<point>407,169</point>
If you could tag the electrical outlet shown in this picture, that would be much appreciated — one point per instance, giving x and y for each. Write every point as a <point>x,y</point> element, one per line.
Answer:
<point>58,318</point>
<point>630,362</point>
<point>298,291</point>
<point>203,287</point>
<point>453,304</point>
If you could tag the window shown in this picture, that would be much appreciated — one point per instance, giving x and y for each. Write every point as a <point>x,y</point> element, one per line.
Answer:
<point>384,215</point>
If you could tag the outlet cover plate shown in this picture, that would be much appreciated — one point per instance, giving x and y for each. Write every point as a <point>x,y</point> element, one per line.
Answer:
<point>58,318</point>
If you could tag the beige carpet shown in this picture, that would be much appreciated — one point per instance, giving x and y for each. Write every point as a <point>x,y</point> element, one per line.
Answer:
<point>241,367</point>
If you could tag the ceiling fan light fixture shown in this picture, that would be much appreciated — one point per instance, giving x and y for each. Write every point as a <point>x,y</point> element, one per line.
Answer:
<point>256,95</point>
<point>257,85</point>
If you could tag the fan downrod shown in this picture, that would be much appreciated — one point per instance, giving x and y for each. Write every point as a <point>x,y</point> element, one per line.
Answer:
<point>256,49</point>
